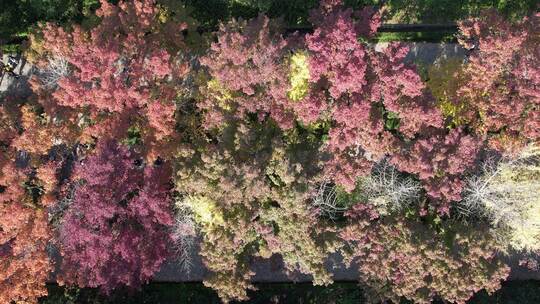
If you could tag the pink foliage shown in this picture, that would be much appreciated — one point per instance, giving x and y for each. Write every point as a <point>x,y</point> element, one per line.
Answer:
<point>369,21</point>
<point>337,55</point>
<point>24,236</point>
<point>439,160</point>
<point>121,65</point>
<point>364,86</point>
<point>356,142</point>
<point>248,60</point>
<point>401,90</point>
<point>402,258</point>
<point>503,78</point>
<point>114,232</point>
<point>352,84</point>
<point>160,118</point>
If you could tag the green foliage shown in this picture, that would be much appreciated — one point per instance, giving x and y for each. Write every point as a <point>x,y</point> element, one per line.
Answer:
<point>295,13</point>
<point>391,120</point>
<point>444,80</point>
<point>177,11</point>
<point>445,11</point>
<point>284,293</point>
<point>133,137</point>
<point>17,16</point>
<point>402,258</point>
<point>249,191</point>
<point>512,292</point>
<point>448,36</point>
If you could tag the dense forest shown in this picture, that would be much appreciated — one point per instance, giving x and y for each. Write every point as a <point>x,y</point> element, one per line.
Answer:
<point>157,127</point>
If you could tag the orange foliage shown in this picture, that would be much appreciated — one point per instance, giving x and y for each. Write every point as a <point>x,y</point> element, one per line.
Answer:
<point>24,233</point>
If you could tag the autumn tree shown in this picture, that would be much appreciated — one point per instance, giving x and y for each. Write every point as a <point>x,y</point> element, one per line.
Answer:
<point>123,73</point>
<point>249,193</point>
<point>248,71</point>
<point>502,79</point>
<point>372,99</point>
<point>24,229</point>
<point>403,258</point>
<point>115,231</point>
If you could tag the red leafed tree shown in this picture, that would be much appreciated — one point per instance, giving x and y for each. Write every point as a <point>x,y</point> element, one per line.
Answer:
<point>248,62</point>
<point>114,233</point>
<point>375,104</point>
<point>503,79</point>
<point>372,96</point>
<point>41,133</point>
<point>440,160</point>
<point>124,71</point>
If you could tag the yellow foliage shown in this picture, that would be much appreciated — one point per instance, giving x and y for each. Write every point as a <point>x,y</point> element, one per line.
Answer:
<point>444,81</point>
<point>204,210</point>
<point>36,48</point>
<point>163,15</point>
<point>220,93</point>
<point>299,76</point>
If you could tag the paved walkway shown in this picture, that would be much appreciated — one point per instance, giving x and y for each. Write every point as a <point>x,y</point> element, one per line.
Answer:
<point>16,87</point>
